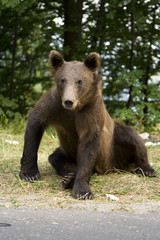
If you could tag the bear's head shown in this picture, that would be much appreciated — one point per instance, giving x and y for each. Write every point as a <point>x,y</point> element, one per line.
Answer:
<point>78,83</point>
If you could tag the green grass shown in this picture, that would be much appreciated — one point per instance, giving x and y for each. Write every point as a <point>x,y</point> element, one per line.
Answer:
<point>48,191</point>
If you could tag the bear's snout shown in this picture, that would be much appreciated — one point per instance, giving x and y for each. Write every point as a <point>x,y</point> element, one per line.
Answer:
<point>68,103</point>
<point>69,97</point>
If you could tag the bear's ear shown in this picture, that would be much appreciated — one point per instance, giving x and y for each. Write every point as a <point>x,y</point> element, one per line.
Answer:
<point>92,61</point>
<point>56,59</point>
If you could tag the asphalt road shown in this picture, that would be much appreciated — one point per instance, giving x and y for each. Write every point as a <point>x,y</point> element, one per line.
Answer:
<point>58,224</point>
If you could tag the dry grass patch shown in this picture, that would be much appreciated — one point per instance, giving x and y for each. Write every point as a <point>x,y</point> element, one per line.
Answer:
<point>48,192</point>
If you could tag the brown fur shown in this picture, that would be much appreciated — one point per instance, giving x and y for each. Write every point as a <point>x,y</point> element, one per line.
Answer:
<point>90,140</point>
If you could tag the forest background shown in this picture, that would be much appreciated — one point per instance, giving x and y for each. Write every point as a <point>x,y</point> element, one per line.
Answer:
<point>126,33</point>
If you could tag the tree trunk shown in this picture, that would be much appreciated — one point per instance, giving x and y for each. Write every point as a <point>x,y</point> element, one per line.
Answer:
<point>148,67</point>
<point>133,38</point>
<point>72,28</point>
<point>14,46</point>
<point>99,33</point>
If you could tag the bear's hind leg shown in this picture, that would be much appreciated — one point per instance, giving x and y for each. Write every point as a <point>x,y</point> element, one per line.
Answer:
<point>129,149</point>
<point>64,166</point>
<point>141,161</point>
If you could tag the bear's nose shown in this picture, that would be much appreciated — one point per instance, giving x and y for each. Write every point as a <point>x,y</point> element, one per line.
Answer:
<point>68,103</point>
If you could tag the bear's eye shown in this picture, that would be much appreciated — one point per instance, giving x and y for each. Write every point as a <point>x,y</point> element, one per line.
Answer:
<point>79,82</point>
<point>62,80</point>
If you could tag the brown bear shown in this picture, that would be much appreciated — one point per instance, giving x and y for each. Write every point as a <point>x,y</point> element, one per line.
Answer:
<point>90,140</point>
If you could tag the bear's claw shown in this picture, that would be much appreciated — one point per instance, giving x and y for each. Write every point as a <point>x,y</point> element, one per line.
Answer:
<point>81,191</point>
<point>29,177</point>
<point>146,171</point>
<point>68,180</point>
<point>86,196</point>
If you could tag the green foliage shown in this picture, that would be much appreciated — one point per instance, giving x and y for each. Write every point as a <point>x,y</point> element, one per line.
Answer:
<point>10,3</point>
<point>126,34</point>
<point>131,78</point>
<point>8,111</point>
<point>17,5</point>
<point>135,115</point>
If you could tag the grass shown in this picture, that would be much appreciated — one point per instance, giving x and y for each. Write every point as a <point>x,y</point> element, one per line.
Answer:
<point>48,192</point>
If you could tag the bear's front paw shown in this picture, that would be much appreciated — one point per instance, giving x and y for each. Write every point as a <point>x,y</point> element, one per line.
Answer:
<point>81,191</point>
<point>29,176</point>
